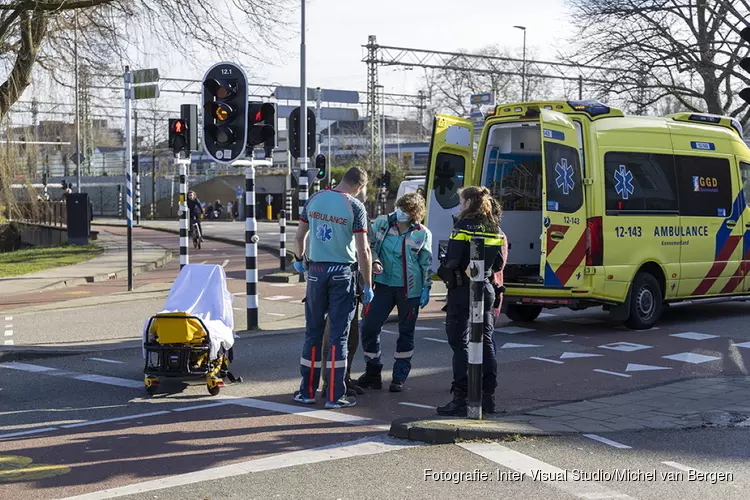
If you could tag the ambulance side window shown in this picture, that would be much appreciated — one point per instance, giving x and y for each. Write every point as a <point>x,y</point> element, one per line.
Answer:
<point>640,184</point>
<point>705,186</point>
<point>745,176</point>
<point>449,178</point>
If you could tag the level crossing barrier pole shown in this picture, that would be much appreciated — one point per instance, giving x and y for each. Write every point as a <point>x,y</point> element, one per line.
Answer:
<point>183,163</point>
<point>474,400</point>
<point>282,240</point>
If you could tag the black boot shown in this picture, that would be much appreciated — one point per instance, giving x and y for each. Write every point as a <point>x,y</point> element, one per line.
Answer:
<point>353,386</point>
<point>457,407</point>
<point>371,378</point>
<point>488,403</point>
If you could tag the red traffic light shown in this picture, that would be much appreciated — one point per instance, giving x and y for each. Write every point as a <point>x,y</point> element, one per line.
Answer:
<point>179,126</point>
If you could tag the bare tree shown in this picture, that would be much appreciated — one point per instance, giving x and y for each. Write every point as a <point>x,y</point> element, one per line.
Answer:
<point>688,50</point>
<point>42,33</point>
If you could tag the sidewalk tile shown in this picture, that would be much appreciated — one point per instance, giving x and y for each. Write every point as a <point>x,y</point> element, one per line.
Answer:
<point>626,409</point>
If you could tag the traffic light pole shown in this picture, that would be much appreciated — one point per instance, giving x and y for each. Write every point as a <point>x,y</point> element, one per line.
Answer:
<point>303,189</point>
<point>476,338</point>
<point>128,78</point>
<point>183,164</point>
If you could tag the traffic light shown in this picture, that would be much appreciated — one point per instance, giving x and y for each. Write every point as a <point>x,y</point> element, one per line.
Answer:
<point>189,115</point>
<point>294,133</point>
<point>320,165</point>
<point>387,180</point>
<point>135,164</point>
<point>225,112</point>
<point>44,179</point>
<point>745,64</point>
<point>178,131</point>
<point>63,184</point>
<point>261,126</point>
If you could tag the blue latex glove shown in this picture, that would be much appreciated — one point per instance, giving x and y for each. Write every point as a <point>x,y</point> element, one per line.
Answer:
<point>425,298</point>
<point>299,266</point>
<point>367,295</point>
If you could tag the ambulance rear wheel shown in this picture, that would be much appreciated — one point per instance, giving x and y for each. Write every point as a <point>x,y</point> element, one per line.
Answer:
<point>522,313</point>
<point>646,301</point>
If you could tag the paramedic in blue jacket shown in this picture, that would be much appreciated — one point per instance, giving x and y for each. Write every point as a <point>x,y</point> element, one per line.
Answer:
<point>337,223</point>
<point>402,254</point>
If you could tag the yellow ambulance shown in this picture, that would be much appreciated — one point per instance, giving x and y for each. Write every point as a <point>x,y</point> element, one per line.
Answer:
<point>602,209</point>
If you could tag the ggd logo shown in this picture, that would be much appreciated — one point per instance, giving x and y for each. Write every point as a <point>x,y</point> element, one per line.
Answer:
<point>704,183</point>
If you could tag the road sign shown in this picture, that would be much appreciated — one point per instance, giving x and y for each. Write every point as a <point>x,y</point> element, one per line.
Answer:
<point>485,99</point>
<point>330,114</point>
<point>269,199</point>
<point>239,192</point>
<point>77,158</point>
<point>145,75</point>
<point>327,95</point>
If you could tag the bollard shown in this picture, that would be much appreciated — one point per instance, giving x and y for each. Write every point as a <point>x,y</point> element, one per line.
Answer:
<point>251,247</point>
<point>282,240</point>
<point>476,344</point>
<point>269,212</point>
<point>184,215</point>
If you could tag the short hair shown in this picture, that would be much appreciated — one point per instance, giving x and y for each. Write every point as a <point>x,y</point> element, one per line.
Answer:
<point>413,205</point>
<point>355,176</point>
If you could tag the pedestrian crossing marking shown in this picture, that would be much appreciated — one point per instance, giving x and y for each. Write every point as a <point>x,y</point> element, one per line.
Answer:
<point>625,346</point>
<point>511,345</point>
<point>634,367</point>
<point>598,370</point>
<point>512,330</point>
<point>692,358</point>
<point>571,355</point>
<point>694,336</point>
<point>279,297</point>
<point>548,360</point>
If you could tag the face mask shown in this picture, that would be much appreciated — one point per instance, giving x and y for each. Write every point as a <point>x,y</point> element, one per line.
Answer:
<point>401,216</point>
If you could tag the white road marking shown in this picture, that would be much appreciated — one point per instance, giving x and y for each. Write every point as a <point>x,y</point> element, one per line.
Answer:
<point>746,345</point>
<point>512,330</point>
<point>26,433</point>
<point>360,447</point>
<point>276,314</point>
<point>201,407</point>
<point>625,346</point>
<point>511,345</point>
<point>566,341</point>
<point>560,335</point>
<point>694,336</point>
<point>224,264</point>
<point>101,379</point>
<point>116,419</point>
<point>9,318</point>
<point>572,355</point>
<point>548,360</point>
<point>8,333</point>
<point>692,358</point>
<point>278,297</point>
<point>611,373</point>
<point>283,285</point>
<point>531,467</point>
<point>547,315</point>
<point>442,341</point>
<point>107,361</point>
<point>8,342</point>
<point>607,441</point>
<point>24,367</point>
<point>633,367</point>
<point>204,262</point>
<point>417,405</point>
<point>383,330</point>
<point>679,466</point>
<point>425,329</point>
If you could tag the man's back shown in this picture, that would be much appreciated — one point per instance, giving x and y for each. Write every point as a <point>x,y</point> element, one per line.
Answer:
<point>333,217</point>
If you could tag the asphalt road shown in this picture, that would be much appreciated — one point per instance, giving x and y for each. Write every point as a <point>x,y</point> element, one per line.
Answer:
<point>81,424</point>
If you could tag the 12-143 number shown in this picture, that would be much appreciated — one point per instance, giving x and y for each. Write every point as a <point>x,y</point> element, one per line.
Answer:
<point>631,232</point>
<point>572,220</point>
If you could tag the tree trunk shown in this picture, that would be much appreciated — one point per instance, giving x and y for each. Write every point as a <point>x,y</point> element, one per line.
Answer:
<point>33,27</point>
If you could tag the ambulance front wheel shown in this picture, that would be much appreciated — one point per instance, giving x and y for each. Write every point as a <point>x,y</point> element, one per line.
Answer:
<point>646,302</point>
<point>523,313</point>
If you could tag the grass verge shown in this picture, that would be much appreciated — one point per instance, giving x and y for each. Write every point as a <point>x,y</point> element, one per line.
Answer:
<point>31,260</point>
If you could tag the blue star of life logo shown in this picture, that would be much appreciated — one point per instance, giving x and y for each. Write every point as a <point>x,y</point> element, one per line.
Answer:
<point>564,176</point>
<point>624,182</point>
<point>325,232</point>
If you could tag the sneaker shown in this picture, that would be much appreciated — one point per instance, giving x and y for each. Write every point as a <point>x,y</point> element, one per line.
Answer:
<point>396,386</point>
<point>299,399</point>
<point>343,402</point>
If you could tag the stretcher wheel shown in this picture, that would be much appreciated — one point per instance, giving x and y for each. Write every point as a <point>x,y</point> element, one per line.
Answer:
<point>152,389</point>
<point>214,390</point>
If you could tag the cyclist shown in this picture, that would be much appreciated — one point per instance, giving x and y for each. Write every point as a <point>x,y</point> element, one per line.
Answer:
<point>195,210</point>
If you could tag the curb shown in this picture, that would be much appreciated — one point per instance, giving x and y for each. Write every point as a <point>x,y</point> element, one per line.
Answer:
<point>30,353</point>
<point>120,273</point>
<point>447,430</point>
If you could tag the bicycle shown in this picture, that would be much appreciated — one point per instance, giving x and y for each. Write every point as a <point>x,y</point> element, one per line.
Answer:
<point>197,236</point>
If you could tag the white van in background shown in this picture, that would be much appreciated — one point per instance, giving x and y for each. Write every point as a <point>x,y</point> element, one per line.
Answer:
<point>412,184</point>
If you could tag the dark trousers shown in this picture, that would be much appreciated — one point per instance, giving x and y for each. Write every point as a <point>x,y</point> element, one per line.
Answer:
<point>331,291</point>
<point>458,329</point>
<point>351,345</point>
<point>375,316</point>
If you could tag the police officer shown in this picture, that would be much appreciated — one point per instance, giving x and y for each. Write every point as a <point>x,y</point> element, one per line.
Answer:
<point>337,223</point>
<point>478,217</point>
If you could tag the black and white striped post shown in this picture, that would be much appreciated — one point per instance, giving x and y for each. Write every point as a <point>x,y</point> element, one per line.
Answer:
<point>138,196</point>
<point>474,400</point>
<point>316,185</point>
<point>282,240</point>
<point>289,204</point>
<point>183,211</point>
<point>119,201</point>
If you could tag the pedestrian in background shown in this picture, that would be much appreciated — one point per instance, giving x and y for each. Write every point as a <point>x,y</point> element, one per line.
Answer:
<point>402,256</point>
<point>337,223</point>
<point>477,218</point>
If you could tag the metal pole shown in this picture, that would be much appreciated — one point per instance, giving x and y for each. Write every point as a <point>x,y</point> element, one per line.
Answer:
<point>153,174</point>
<point>183,166</point>
<point>78,115</point>
<point>303,118</point>
<point>330,163</point>
<point>129,174</point>
<point>282,240</point>
<point>580,87</point>
<point>119,201</point>
<point>474,401</point>
<point>525,88</point>
<point>318,102</point>
<point>137,175</point>
<point>289,201</point>
<point>251,247</point>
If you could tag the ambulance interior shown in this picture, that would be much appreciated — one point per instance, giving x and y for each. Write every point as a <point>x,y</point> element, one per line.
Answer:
<point>512,171</point>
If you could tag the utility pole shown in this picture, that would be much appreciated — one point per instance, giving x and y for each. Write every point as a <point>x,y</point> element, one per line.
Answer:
<point>78,114</point>
<point>302,161</point>
<point>523,71</point>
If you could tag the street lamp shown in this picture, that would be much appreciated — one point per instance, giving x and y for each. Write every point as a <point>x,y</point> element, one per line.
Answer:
<point>523,71</point>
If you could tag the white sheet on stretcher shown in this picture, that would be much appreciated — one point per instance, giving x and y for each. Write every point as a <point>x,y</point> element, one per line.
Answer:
<point>201,290</point>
